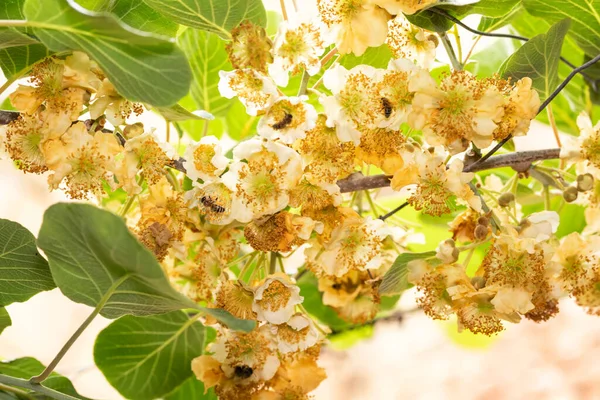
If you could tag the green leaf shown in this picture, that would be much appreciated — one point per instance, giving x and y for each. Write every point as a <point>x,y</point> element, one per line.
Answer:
<point>134,13</point>
<point>13,60</point>
<point>207,56</point>
<point>23,271</point>
<point>538,59</point>
<point>218,16</point>
<point>27,367</point>
<point>240,125</point>
<point>148,357</point>
<point>142,68</point>
<point>377,57</point>
<point>192,389</point>
<point>493,8</point>
<point>96,260</point>
<point>585,16</point>
<point>5,320</point>
<point>13,38</point>
<point>489,24</point>
<point>313,303</point>
<point>395,280</point>
<point>178,113</point>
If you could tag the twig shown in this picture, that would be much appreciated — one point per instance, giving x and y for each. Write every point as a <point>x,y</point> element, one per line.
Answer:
<point>25,384</point>
<point>456,65</point>
<point>394,211</point>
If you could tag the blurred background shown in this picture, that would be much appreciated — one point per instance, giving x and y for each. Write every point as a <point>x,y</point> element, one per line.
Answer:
<point>411,358</point>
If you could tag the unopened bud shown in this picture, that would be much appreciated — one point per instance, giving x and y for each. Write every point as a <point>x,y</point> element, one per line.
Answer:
<point>478,282</point>
<point>481,232</point>
<point>570,194</point>
<point>434,39</point>
<point>585,182</point>
<point>505,199</point>
<point>483,221</point>
<point>131,131</point>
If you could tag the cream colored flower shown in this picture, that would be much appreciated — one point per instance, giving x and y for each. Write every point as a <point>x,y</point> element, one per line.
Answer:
<point>256,91</point>
<point>460,110</point>
<point>275,299</point>
<point>298,45</point>
<point>354,245</point>
<point>208,370</point>
<point>288,119</point>
<point>110,103</point>
<point>263,181</point>
<point>26,99</point>
<point>351,104</point>
<point>79,72</point>
<point>204,159</point>
<point>246,357</point>
<point>408,41</point>
<point>354,25</point>
<point>509,300</point>
<point>297,334</point>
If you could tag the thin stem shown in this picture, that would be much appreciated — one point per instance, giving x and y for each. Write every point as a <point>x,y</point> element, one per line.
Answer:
<point>36,387</point>
<point>41,377</point>
<point>273,263</point>
<point>567,80</point>
<point>394,211</point>
<point>458,43</point>
<point>168,129</point>
<point>553,124</point>
<point>547,197</point>
<point>21,394</point>
<point>13,22</point>
<point>128,205</point>
<point>304,83</point>
<point>328,56</point>
<point>456,65</point>
<point>283,10</point>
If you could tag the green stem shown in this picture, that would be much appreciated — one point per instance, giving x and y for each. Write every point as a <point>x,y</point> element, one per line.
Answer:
<point>36,387</point>
<point>304,83</point>
<point>41,377</point>
<point>456,65</point>
<point>21,394</point>
<point>273,263</point>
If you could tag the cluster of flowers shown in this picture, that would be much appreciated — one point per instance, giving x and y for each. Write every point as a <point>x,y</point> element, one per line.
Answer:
<point>277,193</point>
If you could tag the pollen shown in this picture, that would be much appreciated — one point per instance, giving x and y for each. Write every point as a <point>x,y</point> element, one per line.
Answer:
<point>214,201</point>
<point>273,233</point>
<point>203,158</point>
<point>334,12</point>
<point>275,297</point>
<point>234,298</point>
<point>152,160</point>
<point>23,138</point>
<point>309,196</point>
<point>250,47</point>
<point>88,172</point>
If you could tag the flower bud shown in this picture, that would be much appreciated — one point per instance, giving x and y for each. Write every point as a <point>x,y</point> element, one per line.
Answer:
<point>434,39</point>
<point>585,182</point>
<point>447,252</point>
<point>483,221</point>
<point>481,232</point>
<point>570,194</point>
<point>505,199</point>
<point>478,282</point>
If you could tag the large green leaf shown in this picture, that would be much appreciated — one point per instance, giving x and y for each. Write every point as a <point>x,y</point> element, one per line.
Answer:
<point>27,367</point>
<point>14,60</point>
<point>23,271</point>
<point>5,320</point>
<point>142,67</point>
<point>585,16</point>
<point>134,13</point>
<point>95,260</point>
<point>538,59</point>
<point>489,24</point>
<point>148,357</point>
<point>192,389</point>
<point>572,99</point>
<point>207,56</point>
<point>218,16</point>
<point>13,38</point>
<point>395,280</point>
<point>178,113</point>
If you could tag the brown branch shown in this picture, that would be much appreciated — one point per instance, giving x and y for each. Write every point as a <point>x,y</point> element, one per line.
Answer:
<point>520,161</point>
<point>357,181</point>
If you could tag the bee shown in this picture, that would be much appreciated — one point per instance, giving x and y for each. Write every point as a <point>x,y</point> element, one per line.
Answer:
<point>243,371</point>
<point>286,121</point>
<point>387,107</point>
<point>208,202</point>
